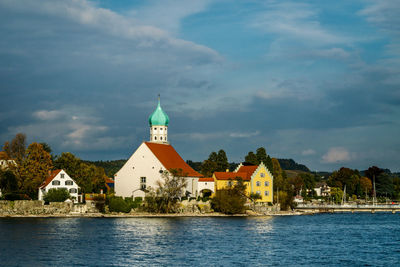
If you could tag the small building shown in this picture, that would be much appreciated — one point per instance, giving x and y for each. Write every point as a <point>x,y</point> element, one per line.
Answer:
<point>206,186</point>
<point>257,178</point>
<point>59,179</point>
<point>298,199</point>
<point>322,189</point>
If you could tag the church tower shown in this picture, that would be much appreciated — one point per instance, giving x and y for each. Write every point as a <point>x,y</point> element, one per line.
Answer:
<point>158,121</point>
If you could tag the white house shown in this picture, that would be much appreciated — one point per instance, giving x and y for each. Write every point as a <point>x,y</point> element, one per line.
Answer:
<point>59,179</point>
<point>4,164</point>
<point>147,164</point>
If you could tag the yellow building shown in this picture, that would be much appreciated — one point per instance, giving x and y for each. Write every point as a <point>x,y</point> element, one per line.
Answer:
<point>258,179</point>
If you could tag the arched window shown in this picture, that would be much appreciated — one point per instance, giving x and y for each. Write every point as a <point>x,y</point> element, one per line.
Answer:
<point>155,137</point>
<point>161,138</point>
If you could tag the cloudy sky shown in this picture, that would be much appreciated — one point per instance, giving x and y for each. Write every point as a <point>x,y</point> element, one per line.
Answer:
<point>316,81</point>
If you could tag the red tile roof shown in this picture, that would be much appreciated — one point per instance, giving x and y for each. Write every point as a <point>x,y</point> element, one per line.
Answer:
<point>206,179</point>
<point>249,170</point>
<point>231,175</point>
<point>49,178</point>
<point>167,155</point>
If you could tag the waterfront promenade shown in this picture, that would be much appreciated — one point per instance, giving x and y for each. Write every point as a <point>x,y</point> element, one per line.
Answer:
<point>348,208</point>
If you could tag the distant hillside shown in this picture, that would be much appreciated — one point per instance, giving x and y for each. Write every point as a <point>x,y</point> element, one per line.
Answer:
<point>109,166</point>
<point>290,164</point>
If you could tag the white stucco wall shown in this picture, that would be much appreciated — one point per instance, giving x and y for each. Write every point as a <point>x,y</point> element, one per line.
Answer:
<point>74,185</point>
<point>143,163</point>
<point>206,185</point>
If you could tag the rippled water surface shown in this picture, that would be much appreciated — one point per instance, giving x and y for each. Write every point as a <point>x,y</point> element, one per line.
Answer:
<point>327,239</point>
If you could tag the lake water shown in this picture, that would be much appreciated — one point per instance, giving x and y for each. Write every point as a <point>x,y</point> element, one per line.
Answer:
<point>325,239</point>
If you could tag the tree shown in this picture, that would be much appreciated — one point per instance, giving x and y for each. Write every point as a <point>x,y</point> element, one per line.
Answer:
<point>230,200</point>
<point>222,161</point>
<point>170,189</point>
<point>56,195</point>
<point>251,158</point>
<point>384,185</point>
<point>208,168</point>
<point>17,148</point>
<point>336,194</point>
<point>366,185</point>
<point>261,155</point>
<point>8,181</point>
<point>35,169</point>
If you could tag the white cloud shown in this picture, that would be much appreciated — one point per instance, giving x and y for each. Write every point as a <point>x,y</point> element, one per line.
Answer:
<point>336,155</point>
<point>294,20</point>
<point>168,14</point>
<point>47,114</point>
<point>308,152</point>
<point>244,134</point>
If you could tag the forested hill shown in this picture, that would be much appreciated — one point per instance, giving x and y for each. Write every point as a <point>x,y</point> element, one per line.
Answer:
<point>112,166</point>
<point>290,164</point>
<point>109,166</point>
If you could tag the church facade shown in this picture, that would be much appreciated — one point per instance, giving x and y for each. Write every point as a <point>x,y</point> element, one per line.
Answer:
<point>148,163</point>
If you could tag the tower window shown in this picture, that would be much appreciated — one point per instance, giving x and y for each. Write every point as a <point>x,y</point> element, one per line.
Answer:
<point>155,137</point>
<point>155,128</point>
<point>161,138</point>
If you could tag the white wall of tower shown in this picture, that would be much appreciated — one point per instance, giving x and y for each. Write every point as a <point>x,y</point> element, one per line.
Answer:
<point>159,133</point>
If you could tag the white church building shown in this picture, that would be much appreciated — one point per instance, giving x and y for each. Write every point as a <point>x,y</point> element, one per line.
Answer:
<point>147,164</point>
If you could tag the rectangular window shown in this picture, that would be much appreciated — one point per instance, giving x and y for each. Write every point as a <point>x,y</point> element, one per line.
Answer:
<point>262,174</point>
<point>266,193</point>
<point>143,183</point>
<point>266,183</point>
<point>69,182</point>
<point>55,182</point>
<point>62,175</point>
<point>73,190</point>
<point>258,192</point>
<point>258,183</point>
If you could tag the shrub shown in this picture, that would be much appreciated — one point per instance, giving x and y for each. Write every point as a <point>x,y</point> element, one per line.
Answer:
<point>230,200</point>
<point>100,202</point>
<point>56,195</point>
<point>118,204</point>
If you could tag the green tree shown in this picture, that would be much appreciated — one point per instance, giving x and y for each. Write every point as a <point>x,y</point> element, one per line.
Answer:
<point>251,158</point>
<point>8,181</point>
<point>384,185</point>
<point>336,194</point>
<point>230,200</point>
<point>222,161</point>
<point>35,169</point>
<point>56,195</point>
<point>118,204</point>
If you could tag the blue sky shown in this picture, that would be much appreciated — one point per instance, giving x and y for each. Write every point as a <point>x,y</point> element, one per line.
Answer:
<point>316,81</point>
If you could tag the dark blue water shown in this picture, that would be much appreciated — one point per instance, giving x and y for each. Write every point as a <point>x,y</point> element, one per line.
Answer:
<point>326,239</point>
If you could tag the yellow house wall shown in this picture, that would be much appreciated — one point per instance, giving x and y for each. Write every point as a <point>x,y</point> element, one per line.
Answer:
<point>262,188</point>
<point>220,184</point>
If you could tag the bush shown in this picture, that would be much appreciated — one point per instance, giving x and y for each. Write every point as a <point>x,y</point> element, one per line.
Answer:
<point>56,195</point>
<point>100,202</point>
<point>118,204</point>
<point>230,200</point>
<point>138,199</point>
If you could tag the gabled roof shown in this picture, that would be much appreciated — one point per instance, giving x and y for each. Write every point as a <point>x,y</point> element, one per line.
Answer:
<point>249,170</point>
<point>168,157</point>
<point>206,179</point>
<point>231,176</point>
<point>49,178</point>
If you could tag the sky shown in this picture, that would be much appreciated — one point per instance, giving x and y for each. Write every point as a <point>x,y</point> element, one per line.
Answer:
<point>315,81</point>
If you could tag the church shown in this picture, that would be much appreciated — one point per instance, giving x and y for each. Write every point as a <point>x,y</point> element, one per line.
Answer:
<point>147,164</point>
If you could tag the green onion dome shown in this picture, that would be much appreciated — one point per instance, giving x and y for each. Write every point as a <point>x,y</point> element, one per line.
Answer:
<point>159,117</point>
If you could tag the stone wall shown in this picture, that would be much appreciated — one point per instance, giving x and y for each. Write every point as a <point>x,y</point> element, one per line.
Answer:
<point>37,207</point>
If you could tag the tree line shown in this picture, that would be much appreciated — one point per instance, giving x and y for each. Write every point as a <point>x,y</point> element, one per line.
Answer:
<point>29,166</point>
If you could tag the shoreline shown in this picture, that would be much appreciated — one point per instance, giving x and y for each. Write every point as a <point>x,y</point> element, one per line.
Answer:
<point>150,215</point>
